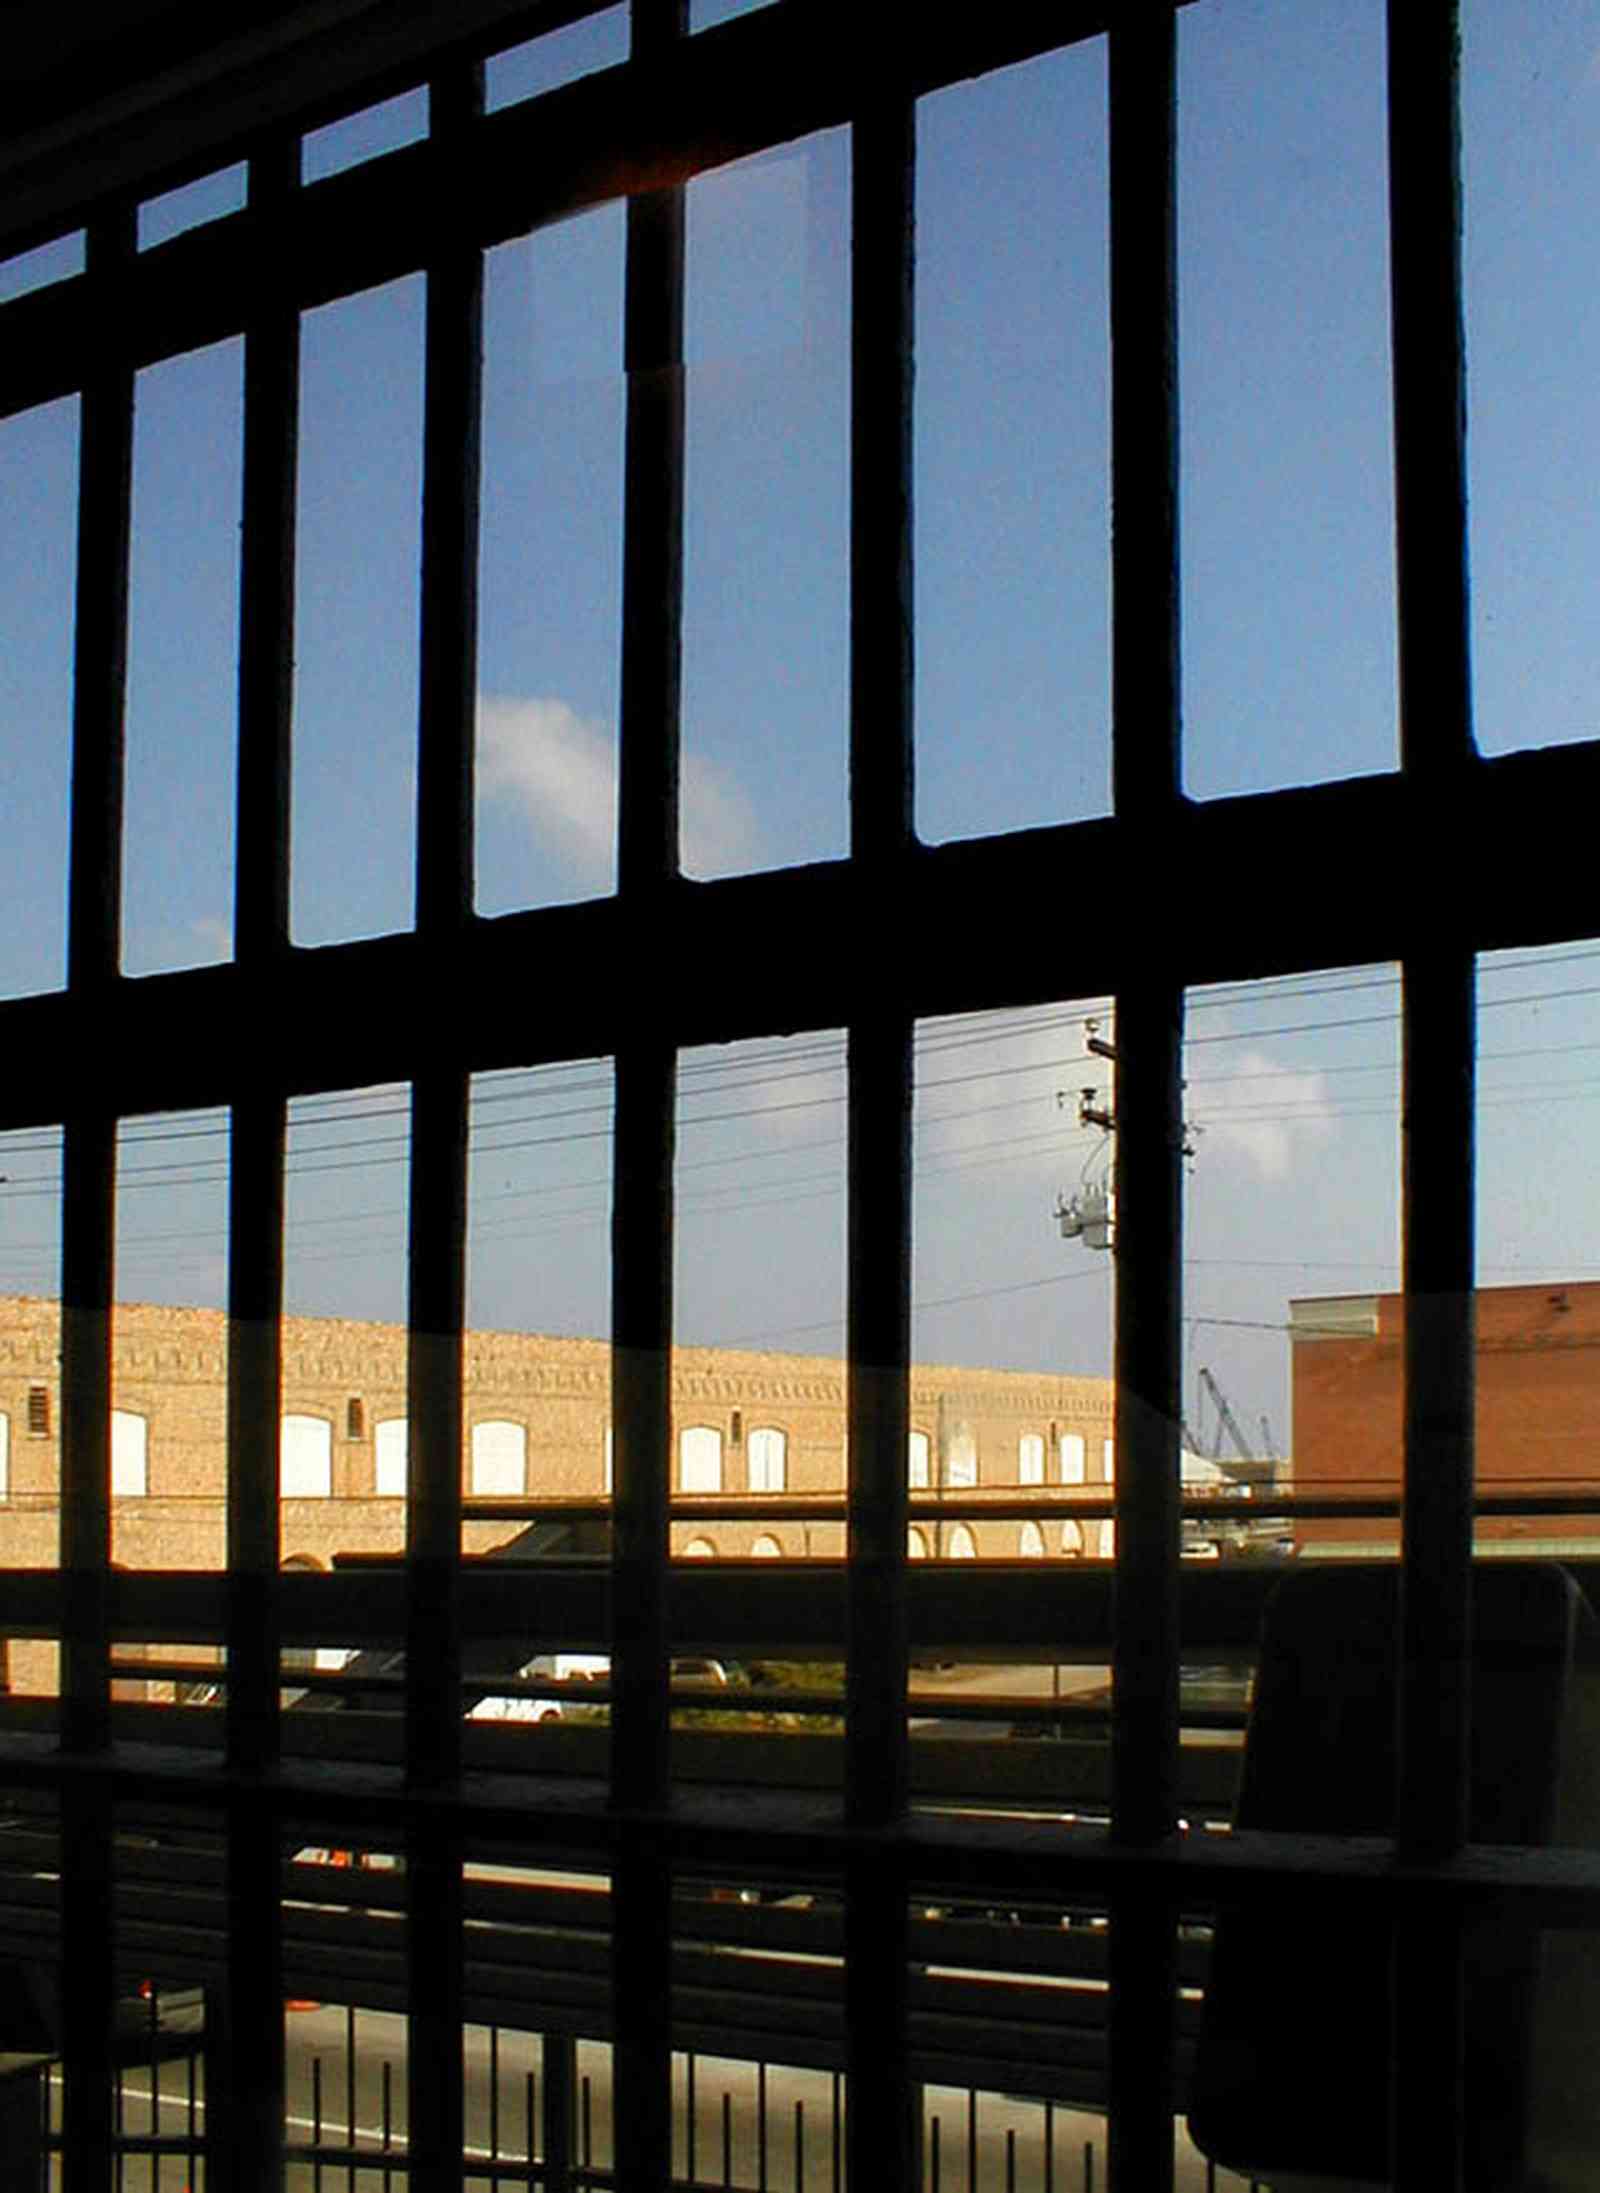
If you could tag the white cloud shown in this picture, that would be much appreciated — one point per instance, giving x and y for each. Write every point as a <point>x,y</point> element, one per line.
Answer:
<point>560,770</point>
<point>1264,1113</point>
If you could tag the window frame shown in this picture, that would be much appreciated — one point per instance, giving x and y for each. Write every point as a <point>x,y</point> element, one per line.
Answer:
<point>973,925</point>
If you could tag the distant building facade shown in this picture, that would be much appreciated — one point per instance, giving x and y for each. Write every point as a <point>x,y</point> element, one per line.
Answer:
<point>1537,1416</point>
<point>538,1427</point>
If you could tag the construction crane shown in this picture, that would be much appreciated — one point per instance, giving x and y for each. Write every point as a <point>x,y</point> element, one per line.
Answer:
<point>1226,1420</point>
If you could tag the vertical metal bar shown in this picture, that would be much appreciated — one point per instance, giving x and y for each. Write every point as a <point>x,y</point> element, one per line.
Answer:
<point>439,1134</point>
<point>87,1915</point>
<point>1436,739</point>
<point>761,2127</point>
<point>266,575</point>
<point>880,2130</point>
<point>100,651</point>
<point>652,552</point>
<point>248,2063</point>
<point>727,2138</point>
<point>1146,777</point>
<point>647,862</point>
<point>1429,370</point>
<point>560,2055</point>
<point>452,437</point>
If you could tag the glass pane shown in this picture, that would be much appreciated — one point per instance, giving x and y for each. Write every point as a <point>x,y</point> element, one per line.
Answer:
<point>556,57</point>
<point>766,552</point>
<point>1538,1296</point>
<point>758,1383</point>
<point>183,661</point>
<point>1286,446</point>
<point>346,1195</point>
<point>38,554</point>
<point>30,1381</point>
<point>1531,168</point>
<point>196,203</point>
<point>169,1379</point>
<point>539,1314</point>
<point>1012,580</point>
<point>357,137</point>
<point>551,566</point>
<point>356,629</point>
<point>53,262</point>
<point>1292,1106</point>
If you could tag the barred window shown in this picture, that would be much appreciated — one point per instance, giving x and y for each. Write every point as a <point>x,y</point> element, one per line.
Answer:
<point>472,809</point>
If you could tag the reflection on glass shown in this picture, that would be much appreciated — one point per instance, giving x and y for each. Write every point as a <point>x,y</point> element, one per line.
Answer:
<point>183,661</point>
<point>1291,1232</point>
<point>1286,447</point>
<point>356,628</point>
<point>765,628</point>
<point>39,472</point>
<point>550,566</point>
<point>1012,583</point>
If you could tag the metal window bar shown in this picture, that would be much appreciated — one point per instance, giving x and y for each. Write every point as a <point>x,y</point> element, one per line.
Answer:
<point>1142,69</point>
<point>755,83</point>
<point>880,2124</point>
<point>438,1186</point>
<point>1439,1111</point>
<point>643,1151</point>
<point>244,2123</point>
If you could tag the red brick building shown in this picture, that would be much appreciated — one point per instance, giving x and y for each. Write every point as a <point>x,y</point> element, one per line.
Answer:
<point>1538,1409</point>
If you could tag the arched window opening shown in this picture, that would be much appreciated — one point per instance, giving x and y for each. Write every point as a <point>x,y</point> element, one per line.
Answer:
<point>1074,1464</point>
<point>389,1457</point>
<point>1072,1538</point>
<point>499,1459</point>
<point>768,1452</point>
<point>917,1458</point>
<point>1030,1459</point>
<point>700,1549</point>
<point>963,1546</point>
<point>916,1545</point>
<point>700,1459</point>
<point>1030,1542</point>
<point>305,1458</point>
<point>766,1548</point>
<point>130,1452</point>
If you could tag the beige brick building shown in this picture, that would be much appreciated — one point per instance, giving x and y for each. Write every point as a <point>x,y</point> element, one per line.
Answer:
<point>746,1425</point>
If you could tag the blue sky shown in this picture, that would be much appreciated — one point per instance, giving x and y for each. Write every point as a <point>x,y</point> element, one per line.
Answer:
<point>1288,656</point>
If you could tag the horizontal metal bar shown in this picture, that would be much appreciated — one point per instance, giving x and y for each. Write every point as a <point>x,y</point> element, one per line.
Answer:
<point>1045,1609</point>
<point>973,926</point>
<point>780,73</point>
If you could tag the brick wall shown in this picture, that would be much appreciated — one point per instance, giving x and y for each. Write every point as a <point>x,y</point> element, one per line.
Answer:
<point>1538,1405</point>
<point>170,1368</point>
